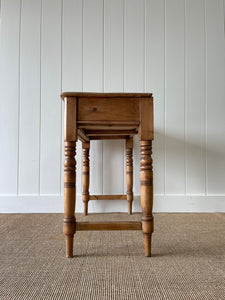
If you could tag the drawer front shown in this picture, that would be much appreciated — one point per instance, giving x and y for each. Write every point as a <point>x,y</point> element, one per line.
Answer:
<point>107,109</point>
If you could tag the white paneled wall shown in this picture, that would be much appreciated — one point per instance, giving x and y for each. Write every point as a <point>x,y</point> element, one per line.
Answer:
<point>195,97</point>
<point>172,48</point>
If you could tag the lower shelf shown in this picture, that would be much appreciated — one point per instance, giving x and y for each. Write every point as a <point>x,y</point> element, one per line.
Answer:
<point>108,197</point>
<point>95,226</point>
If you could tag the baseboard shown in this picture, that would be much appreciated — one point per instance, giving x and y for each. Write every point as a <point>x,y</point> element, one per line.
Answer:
<point>194,203</point>
<point>168,203</point>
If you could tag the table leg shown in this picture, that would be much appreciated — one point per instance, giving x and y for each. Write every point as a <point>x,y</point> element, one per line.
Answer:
<point>69,224</point>
<point>146,177</point>
<point>129,173</point>
<point>85,176</point>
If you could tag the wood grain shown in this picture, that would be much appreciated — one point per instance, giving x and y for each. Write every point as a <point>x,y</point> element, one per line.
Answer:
<point>85,176</point>
<point>103,110</point>
<point>95,226</point>
<point>94,95</point>
<point>129,173</point>
<point>107,197</point>
<point>146,177</point>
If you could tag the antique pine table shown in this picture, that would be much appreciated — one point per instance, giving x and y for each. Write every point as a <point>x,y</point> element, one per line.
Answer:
<point>98,116</point>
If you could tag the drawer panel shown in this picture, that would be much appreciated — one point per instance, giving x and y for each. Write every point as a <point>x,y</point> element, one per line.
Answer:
<point>107,109</point>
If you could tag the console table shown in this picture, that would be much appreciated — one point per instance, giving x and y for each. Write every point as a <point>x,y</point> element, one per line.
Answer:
<point>99,116</point>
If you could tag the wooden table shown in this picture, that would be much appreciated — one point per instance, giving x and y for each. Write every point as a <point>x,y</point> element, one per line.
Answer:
<point>98,116</point>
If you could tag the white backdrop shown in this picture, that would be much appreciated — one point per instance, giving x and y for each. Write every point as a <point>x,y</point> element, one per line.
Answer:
<point>172,48</point>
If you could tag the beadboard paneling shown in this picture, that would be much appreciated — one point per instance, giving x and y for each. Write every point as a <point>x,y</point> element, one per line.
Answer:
<point>9,95</point>
<point>174,94</point>
<point>174,49</point>
<point>50,143</point>
<point>195,105</point>
<point>29,125</point>
<point>215,96</point>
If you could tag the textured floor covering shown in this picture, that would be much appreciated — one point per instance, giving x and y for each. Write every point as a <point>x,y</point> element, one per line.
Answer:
<point>188,259</point>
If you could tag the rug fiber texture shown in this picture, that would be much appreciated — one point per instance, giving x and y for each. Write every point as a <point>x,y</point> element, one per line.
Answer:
<point>188,259</point>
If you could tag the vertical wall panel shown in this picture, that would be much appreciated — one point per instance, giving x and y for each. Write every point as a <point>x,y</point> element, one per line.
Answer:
<point>93,77</point>
<point>113,151</point>
<point>113,155</point>
<point>215,95</point>
<point>113,45</point>
<point>155,70</point>
<point>9,95</point>
<point>174,90</point>
<point>195,97</point>
<point>72,66</point>
<point>134,46</point>
<point>134,23</point>
<point>72,46</point>
<point>93,45</point>
<point>50,100</point>
<point>29,97</point>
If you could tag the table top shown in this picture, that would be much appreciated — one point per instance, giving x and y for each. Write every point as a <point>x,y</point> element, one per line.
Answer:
<point>105,95</point>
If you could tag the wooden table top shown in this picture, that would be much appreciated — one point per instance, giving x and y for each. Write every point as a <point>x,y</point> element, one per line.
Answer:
<point>105,95</point>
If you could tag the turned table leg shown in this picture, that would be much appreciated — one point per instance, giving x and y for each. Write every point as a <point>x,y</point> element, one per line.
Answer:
<point>69,225</point>
<point>85,176</point>
<point>129,173</point>
<point>70,138</point>
<point>146,177</point>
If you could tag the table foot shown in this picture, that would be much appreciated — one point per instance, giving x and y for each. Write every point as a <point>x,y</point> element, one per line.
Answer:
<point>69,246</point>
<point>147,243</point>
